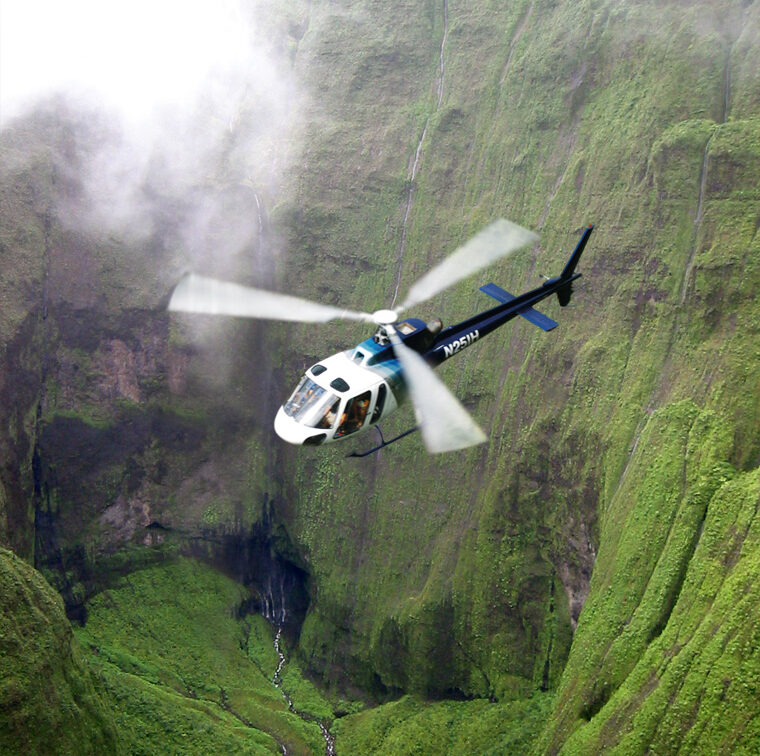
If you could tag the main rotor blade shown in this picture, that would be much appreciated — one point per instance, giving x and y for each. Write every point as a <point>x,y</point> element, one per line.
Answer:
<point>445,423</point>
<point>196,293</point>
<point>500,238</point>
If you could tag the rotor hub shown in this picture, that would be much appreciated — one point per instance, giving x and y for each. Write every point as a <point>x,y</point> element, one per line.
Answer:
<point>385,317</point>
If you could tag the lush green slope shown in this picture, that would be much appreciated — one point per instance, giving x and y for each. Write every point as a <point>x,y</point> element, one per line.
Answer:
<point>644,120</point>
<point>673,656</point>
<point>558,115</point>
<point>413,726</point>
<point>186,674</point>
<point>624,442</point>
<point>165,664</point>
<point>48,698</point>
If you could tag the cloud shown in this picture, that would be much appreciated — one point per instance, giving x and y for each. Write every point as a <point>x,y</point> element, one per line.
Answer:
<point>196,96</point>
<point>137,57</point>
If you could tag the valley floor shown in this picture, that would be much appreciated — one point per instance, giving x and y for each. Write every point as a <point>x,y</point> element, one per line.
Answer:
<point>182,672</point>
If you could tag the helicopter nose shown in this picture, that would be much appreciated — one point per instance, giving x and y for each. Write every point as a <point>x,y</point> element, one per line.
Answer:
<point>288,429</point>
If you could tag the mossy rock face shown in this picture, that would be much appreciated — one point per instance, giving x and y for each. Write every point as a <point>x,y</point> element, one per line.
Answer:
<point>555,115</point>
<point>615,441</point>
<point>662,657</point>
<point>48,698</point>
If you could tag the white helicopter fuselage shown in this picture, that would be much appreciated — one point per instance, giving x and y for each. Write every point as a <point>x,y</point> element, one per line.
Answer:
<point>338,397</point>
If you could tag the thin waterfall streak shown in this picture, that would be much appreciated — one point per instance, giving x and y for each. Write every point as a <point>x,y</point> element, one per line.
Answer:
<point>258,213</point>
<point>518,33</point>
<point>697,222</point>
<point>282,599</point>
<point>441,65</point>
<point>408,210</point>
<point>702,184</point>
<point>418,153</point>
<point>726,88</point>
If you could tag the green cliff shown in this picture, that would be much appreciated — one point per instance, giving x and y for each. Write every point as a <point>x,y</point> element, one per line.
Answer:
<point>48,698</point>
<point>581,582</point>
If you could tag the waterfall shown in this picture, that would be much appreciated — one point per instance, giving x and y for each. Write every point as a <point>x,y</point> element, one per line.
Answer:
<point>273,598</point>
<point>414,162</point>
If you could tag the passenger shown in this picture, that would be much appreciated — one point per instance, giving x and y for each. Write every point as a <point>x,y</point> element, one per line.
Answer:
<point>358,413</point>
<point>353,419</point>
<point>362,412</point>
<point>329,417</point>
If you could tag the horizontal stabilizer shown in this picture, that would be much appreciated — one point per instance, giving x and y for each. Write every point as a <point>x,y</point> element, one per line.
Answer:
<point>538,318</point>
<point>497,293</point>
<point>529,313</point>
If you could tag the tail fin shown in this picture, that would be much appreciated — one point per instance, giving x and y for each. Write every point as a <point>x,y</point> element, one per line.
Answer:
<point>577,252</point>
<point>566,292</point>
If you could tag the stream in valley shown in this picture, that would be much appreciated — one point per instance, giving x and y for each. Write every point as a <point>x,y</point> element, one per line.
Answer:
<point>277,682</point>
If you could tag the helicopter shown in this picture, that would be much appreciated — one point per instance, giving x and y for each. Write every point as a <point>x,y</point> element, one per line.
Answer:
<point>352,391</point>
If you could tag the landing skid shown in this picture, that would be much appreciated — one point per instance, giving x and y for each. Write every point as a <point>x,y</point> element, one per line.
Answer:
<point>383,442</point>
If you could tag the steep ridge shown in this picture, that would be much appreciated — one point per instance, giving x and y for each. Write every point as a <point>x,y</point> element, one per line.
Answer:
<point>48,696</point>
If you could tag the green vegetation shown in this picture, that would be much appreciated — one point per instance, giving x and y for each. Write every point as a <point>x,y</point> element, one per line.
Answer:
<point>608,438</point>
<point>186,675</point>
<point>585,580</point>
<point>49,701</point>
<point>414,726</point>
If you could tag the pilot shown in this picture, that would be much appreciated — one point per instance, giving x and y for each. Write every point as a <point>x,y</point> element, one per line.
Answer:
<point>329,417</point>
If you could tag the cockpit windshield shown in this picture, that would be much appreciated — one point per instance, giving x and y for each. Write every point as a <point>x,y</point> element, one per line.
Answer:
<point>312,405</point>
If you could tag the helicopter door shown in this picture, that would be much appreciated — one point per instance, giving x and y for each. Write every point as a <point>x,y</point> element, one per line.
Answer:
<point>354,415</point>
<point>382,391</point>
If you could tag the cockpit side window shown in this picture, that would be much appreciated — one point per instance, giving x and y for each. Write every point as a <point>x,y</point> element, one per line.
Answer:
<point>331,413</point>
<point>354,415</point>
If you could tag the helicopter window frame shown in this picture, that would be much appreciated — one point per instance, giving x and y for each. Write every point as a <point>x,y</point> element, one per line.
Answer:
<point>329,417</point>
<point>382,393</point>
